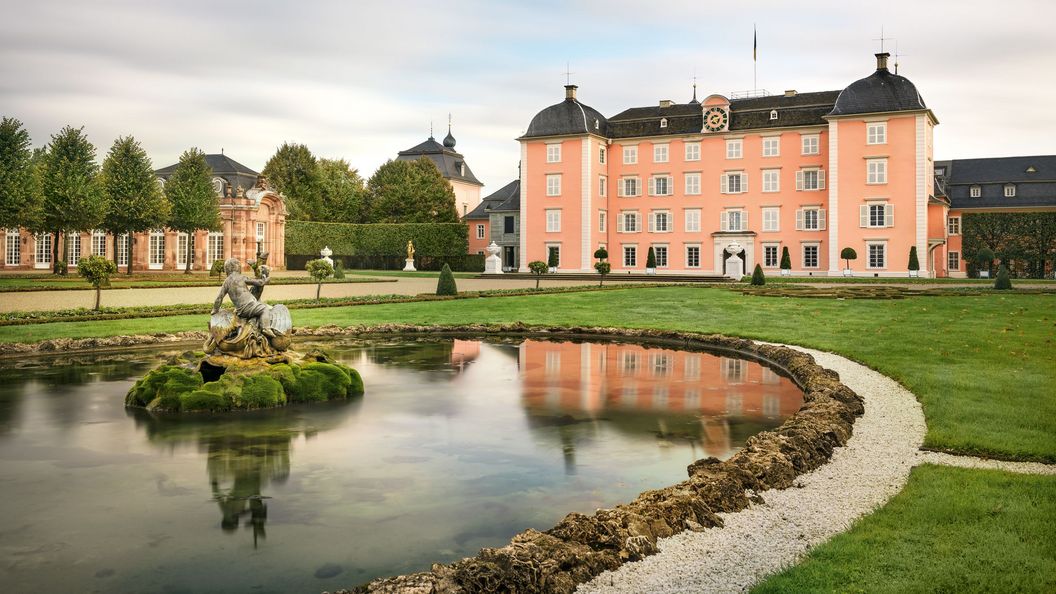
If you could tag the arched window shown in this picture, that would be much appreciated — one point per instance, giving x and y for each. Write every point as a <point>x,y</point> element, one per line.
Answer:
<point>773,114</point>
<point>218,186</point>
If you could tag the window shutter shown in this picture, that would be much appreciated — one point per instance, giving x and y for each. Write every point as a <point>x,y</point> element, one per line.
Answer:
<point>724,224</point>
<point>744,182</point>
<point>670,185</point>
<point>723,183</point>
<point>652,186</point>
<point>652,222</point>
<point>799,219</point>
<point>821,179</point>
<point>821,219</point>
<point>889,215</point>
<point>621,187</point>
<point>619,223</point>
<point>863,215</point>
<point>744,220</point>
<point>799,180</point>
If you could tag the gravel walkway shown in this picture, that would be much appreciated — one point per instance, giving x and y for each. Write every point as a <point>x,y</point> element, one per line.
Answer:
<point>770,536</point>
<point>971,462</point>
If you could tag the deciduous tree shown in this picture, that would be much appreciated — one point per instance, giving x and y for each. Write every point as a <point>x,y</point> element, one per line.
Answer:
<point>73,197</point>
<point>195,204</point>
<point>294,172</point>
<point>341,191</point>
<point>135,201</point>
<point>409,192</point>
<point>20,198</point>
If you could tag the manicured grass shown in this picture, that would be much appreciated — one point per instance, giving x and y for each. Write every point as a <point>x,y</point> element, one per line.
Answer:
<point>949,530</point>
<point>897,280</point>
<point>981,365</point>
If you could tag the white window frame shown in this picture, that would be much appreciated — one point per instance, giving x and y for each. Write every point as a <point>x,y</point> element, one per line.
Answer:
<point>811,144</point>
<point>734,148</point>
<point>630,155</point>
<point>817,255</point>
<point>725,220</point>
<point>553,152</point>
<point>480,230</point>
<point>777,255</point>
<point>218,185</point>
<point>664,260</point>
<point>725,182</point>
<point>632,251</point>
<point>602,222</point>
<point>121,257</point>
<point>214,247</point>
<point>692,184</point>
<point>553,184</point>
<point>603,184</point>
<point>771,180</point>
<point>661,153</point>
<point>975,191</point>
<point>692,151</point>
<point>876,133</point>
<point>99,243</point>
<point>869,245</point>
<point>771,146</point>
<point>771,219</point>
<point>181,250</point>
<point>810,179</point>
<point>655,181</point>
<point>13,247</point>
<point>625,217</point>
<point>656,216</point>
<point>689,259</point>
<point>73,250</point>
<point>623,186</point>
<point>953,226</point>
<point>155,248</point>
<point>810,218</point>
<point>42,250</point>
<point>866,219</point>
<point>553,220</point>
<point>876,171</point>
<point>692,220</point>
<point>1010,191</point>
<point>953,260</point>
<point>601,155</point>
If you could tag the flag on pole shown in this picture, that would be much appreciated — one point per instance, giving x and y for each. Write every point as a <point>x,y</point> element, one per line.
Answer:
<point>755,45</point>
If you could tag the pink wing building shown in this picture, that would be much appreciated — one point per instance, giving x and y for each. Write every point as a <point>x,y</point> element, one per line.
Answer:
<point>812,173</point>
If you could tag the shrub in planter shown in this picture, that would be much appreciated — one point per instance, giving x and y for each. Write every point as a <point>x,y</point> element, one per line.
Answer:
<point>96,270</point>
<point>319,270</point>
<point>914,263</point>
<point>446,284</point>
<point>984,259</point>
<point>758,279</point>
<point>538,268</point>
<point>786,262</point>
<point>1003,281</point>
<point>847,254</point>
<point>603,268</point>
<point>601,254</point>
<point>650,261</point>
<point>551,260</point>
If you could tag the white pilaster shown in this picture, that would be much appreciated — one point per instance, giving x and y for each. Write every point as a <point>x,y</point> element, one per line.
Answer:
<point>834,199</point>
<point>922,193</point>
<point>523,222</point>
<point>585,250</point>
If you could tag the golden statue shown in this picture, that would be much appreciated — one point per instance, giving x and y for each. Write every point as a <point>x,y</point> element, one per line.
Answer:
<point>410,250</point>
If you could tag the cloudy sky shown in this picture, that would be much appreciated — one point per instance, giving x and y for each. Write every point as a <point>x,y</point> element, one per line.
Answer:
<point>362,80</point>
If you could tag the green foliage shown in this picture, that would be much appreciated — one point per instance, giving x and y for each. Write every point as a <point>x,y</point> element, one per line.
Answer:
<point>446,284</point>
<point>847,254</point>
<point>339,270</point>
<point>409,192</point>
<point>601,253</point>
<point>305,238</point>
<point>73,198</point>
<point>984,255</point>
<point>261,391</point>
<point>551,258</point>
<point>20,199</point>
<point>1029,238</point>
<point>786,260</point>
<point>96,270</point>
<point>650,258</point>
<point>194,203</point>
<point>603,268</point>
<point>217,269</point>
<point>1003,281</point>
<point>321,381</point>
<point>319,269</point>
<point>294,172</point>
<point>61,267</point>
<point>758,279</point>
<point>914,263</point>
<point>165,380</point>
<point>134,199</point>
<point>538,268</point>
<point>341,191</point>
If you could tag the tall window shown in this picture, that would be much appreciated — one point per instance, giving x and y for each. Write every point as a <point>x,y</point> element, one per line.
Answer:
<point>733,220</point>
<point>692,256</point>
<point>630,155</point>
<point>156,250</point>
<point>953,225</point>
<point>74,249</point>
<point>692,184</point>
<point>734,148</point>
<point>181,249</point>
<point>553,184</point>
<point>877,214</point>
<point>877,255</point>
<point>553,221</point>
<point>771,219</point>
<point>692,220</point>
<point>810,179</point>
<point>99,243</point>
<point>771,180</point>
<point>810,256</point>
<point>602,215</point>
<point>553,153</point>
<point>734,183</point>
<point>628,222</point>
<point>660,221</point>
<point>262,237</point>
<point>770,256</point>
<point>953,260</point>
<point>876,171</point>
<point>660,252</point>
<point>554,252</point>
<point>692,151</point>
<point>122,250</point>
<point>13,249</point>
<point>603,184</point>
<point>480,231</point>
<point>660,153</point>
<point>810,219</point>
<point>214,247</point>
<point>508,225</point>
<point>630,256</point>
<point>660,185</point>
<point>42,250</point>
<point>772,146</point>
<point>601,155</point>
<point>629,186</point>
<point>811,144</point>
<point>876,133</point>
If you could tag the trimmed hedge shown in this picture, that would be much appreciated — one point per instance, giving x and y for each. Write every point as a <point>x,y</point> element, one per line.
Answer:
<point>463,263</point>
<point>306,238</point>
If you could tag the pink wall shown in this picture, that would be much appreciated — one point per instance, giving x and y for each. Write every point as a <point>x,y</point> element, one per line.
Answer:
<point>476,246</point>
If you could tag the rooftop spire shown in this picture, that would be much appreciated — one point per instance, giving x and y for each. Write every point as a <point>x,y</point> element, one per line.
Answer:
<point>430,129</point>
<point>449,140</point>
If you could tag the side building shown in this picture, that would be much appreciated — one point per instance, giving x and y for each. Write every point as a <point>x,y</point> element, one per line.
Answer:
<point>812,173</point>
<point>497,219</point>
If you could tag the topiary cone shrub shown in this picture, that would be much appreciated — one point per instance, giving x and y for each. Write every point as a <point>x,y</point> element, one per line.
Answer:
<point>551,260</point>
<point>538,269</point>
<point>650,260</point>
<point>914,263</point>
<point>758,279</point>
<point>984,258</point>
<point>446,284</point>
<point>786,262</point>
<point>1003,281</point>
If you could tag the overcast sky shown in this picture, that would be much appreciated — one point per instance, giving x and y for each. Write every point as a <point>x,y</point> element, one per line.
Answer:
<point>363,80</point>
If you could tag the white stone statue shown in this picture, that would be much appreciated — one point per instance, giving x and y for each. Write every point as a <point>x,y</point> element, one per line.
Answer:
<point>493,263</point>
<point>326,252</point>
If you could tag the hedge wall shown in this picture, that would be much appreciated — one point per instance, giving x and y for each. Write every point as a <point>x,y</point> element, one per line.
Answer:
<point>306,238</point>
<point>463,263</point>
<point>1024,242</point>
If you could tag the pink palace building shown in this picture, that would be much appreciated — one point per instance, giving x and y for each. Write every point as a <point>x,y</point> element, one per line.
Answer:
<point>812,172</point>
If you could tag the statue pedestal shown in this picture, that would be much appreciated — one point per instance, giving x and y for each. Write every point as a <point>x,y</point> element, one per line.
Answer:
<point>409,267</point>
<point>493,263</point>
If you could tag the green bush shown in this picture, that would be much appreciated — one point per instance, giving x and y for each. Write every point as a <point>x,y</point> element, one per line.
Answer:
<point>914,263</point>
<point>306,238</point>
<point>601,253</point>
<point>603,268</point>
<point>758,279</point>
<point>217,269</point>
<point>446,284</point>
<point>786,260</point>
<point>61,268</point>
<point>339,270</point>
<point>650,258</point>
<point>538,268</point>
<point>1003,281</point>
<point>847,254</point>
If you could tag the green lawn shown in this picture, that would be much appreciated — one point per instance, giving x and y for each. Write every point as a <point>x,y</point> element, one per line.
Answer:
<point>949,530</point>
<point>73,282</point>
<point>981,365</point>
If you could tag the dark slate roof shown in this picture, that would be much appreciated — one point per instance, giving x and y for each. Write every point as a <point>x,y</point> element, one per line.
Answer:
<point>506,198</point>
<point>1036,188</point>
<point>801,109</point>
<point>879,92</point>
<point>445,159</point>
<point>568,117</point>
<point>220,164</point>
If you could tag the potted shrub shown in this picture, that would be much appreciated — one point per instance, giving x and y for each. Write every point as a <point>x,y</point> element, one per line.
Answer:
<point>758,279</point>
<point>97,270</point>
<point>1003,281</point>
<point>538,268</point>
<point>446,284</point>
<point>914,263</point>
<point>650,261</point>
<point>786,262</point>
<point>984,258</point>
<point>551,261</point>
<point>603,268</point>
<point>847,254</point>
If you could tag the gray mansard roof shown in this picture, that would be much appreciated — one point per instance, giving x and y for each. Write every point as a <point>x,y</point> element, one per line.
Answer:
<point>506,198</point>
<point>450,163</point>
<point>235,173</point>
<point>879,92</point>
<point>568,117</point>
<point>1033,176</point>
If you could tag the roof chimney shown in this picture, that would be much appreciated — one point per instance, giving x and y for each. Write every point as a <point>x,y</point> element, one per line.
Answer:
<point>881,61</point>
<point>666,103</point>
<point>570,92</point>
<point>790,93</point>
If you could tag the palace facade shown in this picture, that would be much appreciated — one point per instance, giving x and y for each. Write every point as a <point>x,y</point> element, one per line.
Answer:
<point>811,172</point>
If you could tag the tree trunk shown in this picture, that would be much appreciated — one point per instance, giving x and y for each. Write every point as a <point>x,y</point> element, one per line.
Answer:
<point>537,281</point>
<point>318,290</point>
<point>601,282</point>
<point>116,239</point>
<point>98,294</point>
<point>55,253</point>
<point>190,251</point>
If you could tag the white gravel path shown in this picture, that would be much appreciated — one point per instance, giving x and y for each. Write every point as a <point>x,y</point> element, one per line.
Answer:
<point>768,537</point>
<point>971,462</point>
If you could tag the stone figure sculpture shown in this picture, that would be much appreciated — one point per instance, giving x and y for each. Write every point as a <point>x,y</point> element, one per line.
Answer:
<point>410,250</point>
<point>254,329</point>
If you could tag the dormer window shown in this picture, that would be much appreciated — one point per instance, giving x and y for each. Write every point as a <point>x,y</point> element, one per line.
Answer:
<point>773,114</point>
<point>975,191</point>
<point>663,122</point>
<point>461,168</point>
<point>597,124</point>
<point>940,171</point>
<point>1031,169</point>
<point>1010,190</point>
<point>218,186</point>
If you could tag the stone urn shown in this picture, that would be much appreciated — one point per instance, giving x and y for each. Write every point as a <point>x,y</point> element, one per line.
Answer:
<point>493,263</point>
<point>734,264</point>
<point>325,253</point>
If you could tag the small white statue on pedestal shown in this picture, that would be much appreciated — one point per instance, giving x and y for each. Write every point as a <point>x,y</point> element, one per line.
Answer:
<point>492,264</point>
<point>734,264</point>
<point>326,252</point>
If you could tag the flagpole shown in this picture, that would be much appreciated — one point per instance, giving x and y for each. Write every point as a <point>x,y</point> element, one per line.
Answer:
<point>755,59</point>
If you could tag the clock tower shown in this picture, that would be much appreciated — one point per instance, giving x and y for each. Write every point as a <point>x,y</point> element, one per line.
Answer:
<point>716,109</point>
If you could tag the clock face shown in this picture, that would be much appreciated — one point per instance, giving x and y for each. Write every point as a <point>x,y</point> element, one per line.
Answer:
<point>715,119</point>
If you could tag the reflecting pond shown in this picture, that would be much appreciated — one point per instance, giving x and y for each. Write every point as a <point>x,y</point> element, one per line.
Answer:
<point>457,445</point>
